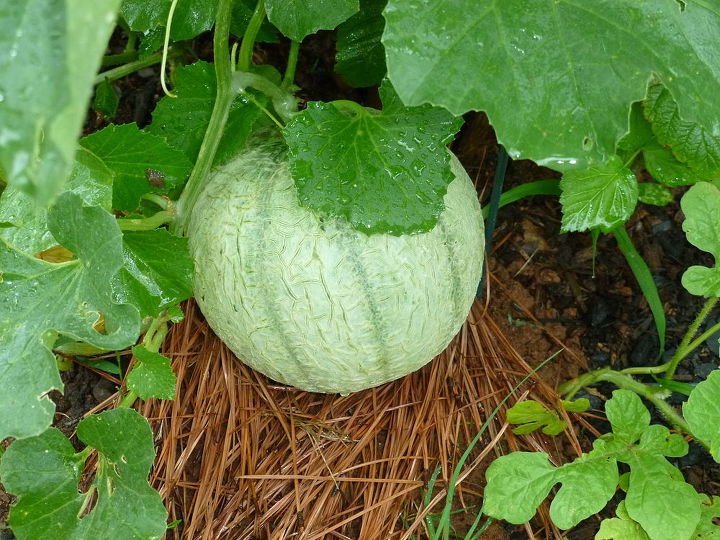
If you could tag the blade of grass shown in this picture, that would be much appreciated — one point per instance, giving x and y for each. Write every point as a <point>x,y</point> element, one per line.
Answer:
<point>539,187</point>
<point>644,278</point>
<point>444,522</point>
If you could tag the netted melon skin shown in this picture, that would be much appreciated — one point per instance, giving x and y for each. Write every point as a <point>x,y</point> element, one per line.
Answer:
<point>313,303</point>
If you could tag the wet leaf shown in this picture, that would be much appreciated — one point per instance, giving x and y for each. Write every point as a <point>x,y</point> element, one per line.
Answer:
<point>299,18</point>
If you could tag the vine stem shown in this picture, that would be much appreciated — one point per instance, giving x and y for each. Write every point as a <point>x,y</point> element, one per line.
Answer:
<point>289,76</point>
<point>626,382</point>
<point>251,32</point>
<point>218,119</point>
<point>131,67</point>
<point>686,345</point>
<point>146,224</point>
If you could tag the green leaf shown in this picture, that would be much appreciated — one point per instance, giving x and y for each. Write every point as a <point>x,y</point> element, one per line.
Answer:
<point>702,412</point>
<point>657,496</point>
<point>627,415</point>
<point>579,405</point>
<point>360,57</point>
<point>601,196</point>
<point>157,271</point>
<point>242,11</point>
<point>517,483</point>
<point>152,376</point>
<point>666,169</point>
<point>52,50</point>
<point>660,500</point>
<point>44,471</point>
<point>183,120</point>
<point>533,415</point>
<point>151,41</point>
<point>709,512</point>
<point>383,171</point>
<point>131,154</point>
<point>191,17</point>
<point>525,478</point>
<point>701,206</point>
<point>639,134</point>
<point>654,194</point>
<point>29,233</point>
<point>690,142</point>
<point>39,300</point>
<point>299,18</point>
<point>555,77</point>
<point>620,527</point>
<point>106,99</point>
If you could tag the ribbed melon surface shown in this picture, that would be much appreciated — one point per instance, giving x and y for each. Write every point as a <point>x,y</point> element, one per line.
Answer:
<point>315,304</point>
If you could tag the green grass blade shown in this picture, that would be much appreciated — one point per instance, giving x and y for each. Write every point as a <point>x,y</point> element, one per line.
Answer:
<point>644,278</point>
<point>540,187</point>
<point>444,521</point>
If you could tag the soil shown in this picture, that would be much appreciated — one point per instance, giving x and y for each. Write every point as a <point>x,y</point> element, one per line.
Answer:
<point>549,290</point>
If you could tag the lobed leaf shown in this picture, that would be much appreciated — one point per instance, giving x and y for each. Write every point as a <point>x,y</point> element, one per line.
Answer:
<point>620,527</point>
<point>39,300</point>
<point>533,415</point>
<point>26,224</point>
<point>602,196</point>
<point>382,171</point>
<point>52,50</point>
<point>44,471</point>
<point>701,206</point>
<point>152,376</point>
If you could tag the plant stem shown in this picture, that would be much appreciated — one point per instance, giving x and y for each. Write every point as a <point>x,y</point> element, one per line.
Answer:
<point>289,76</point>
<point>283,101</point>
<point>628,383</point>
<point>218,119</point>
<point>686,347</point>
<point>248,40</point>
<point>152,341</point>
<point>146,224</point>
<point>115,59</point>
<point>131,67</point>
<point>162,202</point>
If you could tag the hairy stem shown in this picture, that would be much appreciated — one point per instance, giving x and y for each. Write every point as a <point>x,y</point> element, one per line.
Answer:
<point>146,224</point>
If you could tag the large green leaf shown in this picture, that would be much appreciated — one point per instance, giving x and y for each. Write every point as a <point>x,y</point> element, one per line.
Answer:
<point>299,18</point>
<point>26,225</point>
<point>44,472</point>
<point>556,77</point>
<point>383,171</point>
<point>157,272</point>
<point>51,52</point>
<point>39,300</point>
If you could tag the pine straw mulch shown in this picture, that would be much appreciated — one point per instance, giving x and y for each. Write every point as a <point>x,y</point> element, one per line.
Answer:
<point>241,457</point>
